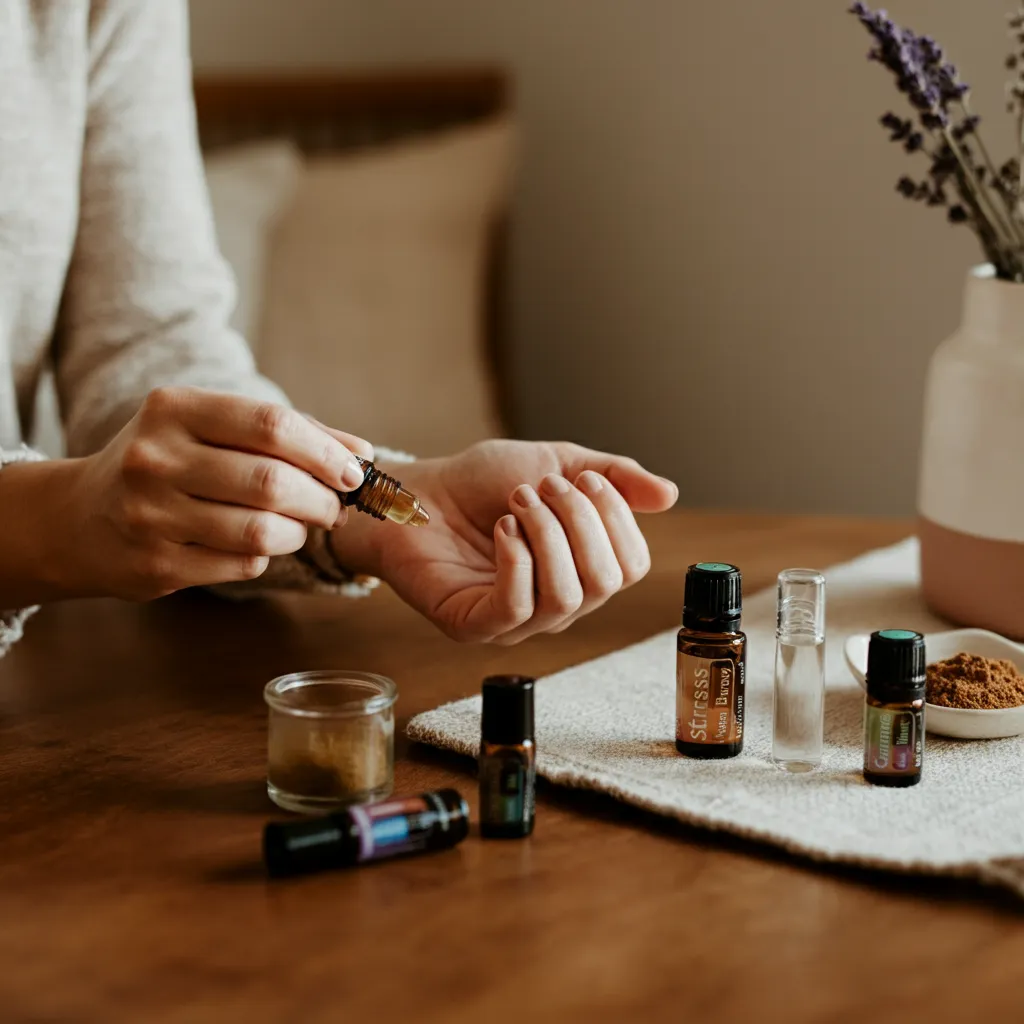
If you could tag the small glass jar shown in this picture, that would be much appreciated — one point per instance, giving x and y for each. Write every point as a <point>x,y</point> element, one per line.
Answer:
<point>330,740</point>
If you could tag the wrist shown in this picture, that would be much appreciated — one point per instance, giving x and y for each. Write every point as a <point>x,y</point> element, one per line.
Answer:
<point>355,546</point>
<point>37,550</point>
<point>360,545</point>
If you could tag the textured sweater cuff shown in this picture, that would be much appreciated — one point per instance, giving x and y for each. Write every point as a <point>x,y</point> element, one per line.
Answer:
<point>12,620</point>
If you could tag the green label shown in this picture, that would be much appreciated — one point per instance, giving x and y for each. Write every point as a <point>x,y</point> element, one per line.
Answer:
<point>714,566</point>
<point>506,791</point>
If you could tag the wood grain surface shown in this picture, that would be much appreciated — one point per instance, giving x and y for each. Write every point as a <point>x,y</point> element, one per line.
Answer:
<point>132,774</point>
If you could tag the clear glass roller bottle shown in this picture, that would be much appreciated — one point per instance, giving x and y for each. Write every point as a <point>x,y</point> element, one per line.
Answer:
<point>798,724</point>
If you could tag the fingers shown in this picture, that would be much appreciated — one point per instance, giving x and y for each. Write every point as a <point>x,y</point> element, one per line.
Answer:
<point>559,592</point>
<point>256,482</point>
<point>171,567</point>
<point>585,546</point>
<point>231,421</point>
<point>597,567</point>
<point>234,530</point>
<point>643,490</point>
<point>628,543</point>
<point>359,445</point>
<point>510,601</point>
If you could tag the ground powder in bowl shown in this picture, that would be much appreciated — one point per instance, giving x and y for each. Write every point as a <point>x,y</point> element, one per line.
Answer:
<point>971,681</point>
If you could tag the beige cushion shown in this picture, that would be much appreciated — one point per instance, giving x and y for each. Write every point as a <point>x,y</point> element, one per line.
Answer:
<point>374,306</point>
<point>249,187</point>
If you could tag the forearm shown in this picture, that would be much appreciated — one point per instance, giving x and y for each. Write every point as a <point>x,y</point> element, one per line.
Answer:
<point>35,513</point>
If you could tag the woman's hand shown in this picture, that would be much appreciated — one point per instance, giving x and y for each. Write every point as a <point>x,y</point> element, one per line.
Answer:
<point>523,537</point>
<point>200,488</point>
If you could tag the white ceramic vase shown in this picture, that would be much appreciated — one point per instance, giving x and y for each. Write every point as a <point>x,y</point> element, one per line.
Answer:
<point>971,497</point>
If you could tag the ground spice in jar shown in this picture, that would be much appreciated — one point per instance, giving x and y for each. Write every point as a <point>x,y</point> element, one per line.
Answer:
<point>971,681</point>
<point>338,758</point>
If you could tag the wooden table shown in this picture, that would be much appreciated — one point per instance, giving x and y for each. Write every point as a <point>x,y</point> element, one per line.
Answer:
<point>133,798</point>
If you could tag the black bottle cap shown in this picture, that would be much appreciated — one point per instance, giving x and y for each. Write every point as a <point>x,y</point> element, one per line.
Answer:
<point>456,827</point>
<point>896,661</point>
<point>713,598</point>
<point>370,476</point>
<point>507,710</point>
<point>316,844</point>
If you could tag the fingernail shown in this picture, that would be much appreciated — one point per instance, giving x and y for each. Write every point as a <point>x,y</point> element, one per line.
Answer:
<point>526,496</point>
<point>590,482</point>
<point>352,475</point>
<point>555,485</point>
<point>671,483</point>
<point>510,527</point>
<point>342,518</point>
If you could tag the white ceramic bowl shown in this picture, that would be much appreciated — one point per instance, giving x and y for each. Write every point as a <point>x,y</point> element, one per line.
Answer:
<point>962,723</point>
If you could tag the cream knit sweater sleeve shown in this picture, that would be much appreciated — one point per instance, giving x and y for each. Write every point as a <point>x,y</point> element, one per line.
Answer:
<point>147,295</point>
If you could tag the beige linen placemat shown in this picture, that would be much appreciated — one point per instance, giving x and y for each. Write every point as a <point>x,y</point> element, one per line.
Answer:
<point>608,725</point>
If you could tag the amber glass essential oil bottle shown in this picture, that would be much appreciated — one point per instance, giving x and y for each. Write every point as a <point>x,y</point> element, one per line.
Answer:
<point>711,663</point>
<point>507,758</point>
<point>384,497</point>
<point>894,708</point>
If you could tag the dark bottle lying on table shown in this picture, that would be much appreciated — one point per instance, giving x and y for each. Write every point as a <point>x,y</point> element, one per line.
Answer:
<point>507,758</point>
<point>894,708</point>
<point>711,663</point>
<point>430,821</point>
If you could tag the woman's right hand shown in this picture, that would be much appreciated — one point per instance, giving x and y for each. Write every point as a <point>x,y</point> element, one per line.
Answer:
<point>200,488</point>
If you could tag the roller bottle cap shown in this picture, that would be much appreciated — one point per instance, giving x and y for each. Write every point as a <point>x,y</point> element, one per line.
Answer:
<point>801,606</point>
<point>507,717</point>
<point>713,598</point>
<point>302,847</point>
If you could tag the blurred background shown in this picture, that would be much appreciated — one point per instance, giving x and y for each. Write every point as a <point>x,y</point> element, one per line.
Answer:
<point>705,264</point>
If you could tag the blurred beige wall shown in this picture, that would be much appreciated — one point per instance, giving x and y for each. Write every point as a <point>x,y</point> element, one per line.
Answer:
<point>712,270</point>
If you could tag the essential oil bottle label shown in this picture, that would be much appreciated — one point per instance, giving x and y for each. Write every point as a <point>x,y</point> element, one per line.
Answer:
<point>893,740</point>
<point>709,700</point>
<point>394,827</point>
<point>506,790</point>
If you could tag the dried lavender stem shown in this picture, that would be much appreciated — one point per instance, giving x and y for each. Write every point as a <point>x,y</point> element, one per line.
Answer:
<point>990,210</point>
<point>990,243</point>
<point>965,105</point>
<point>1020,158</point>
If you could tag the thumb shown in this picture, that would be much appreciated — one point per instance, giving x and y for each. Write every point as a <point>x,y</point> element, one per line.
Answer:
<point>644,491</point>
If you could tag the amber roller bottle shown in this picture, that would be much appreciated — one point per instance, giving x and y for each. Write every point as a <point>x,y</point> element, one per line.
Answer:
<point>507,758</point>
<point>384,497</point>
<point>711,663</point>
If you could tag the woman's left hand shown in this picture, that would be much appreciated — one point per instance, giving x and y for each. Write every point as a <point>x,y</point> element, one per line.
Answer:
<point>523,537</point>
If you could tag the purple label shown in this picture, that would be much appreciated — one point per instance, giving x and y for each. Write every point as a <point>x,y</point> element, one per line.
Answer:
<point>389,828</point>
<point>893,740</point>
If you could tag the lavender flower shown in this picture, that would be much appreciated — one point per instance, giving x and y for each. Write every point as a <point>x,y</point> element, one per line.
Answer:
<point>1015,62</point>
<point>918,64</point>
<point>900,129</point>
<point>907,187</point>
<point>943,128</point>
<point>968,126</point>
